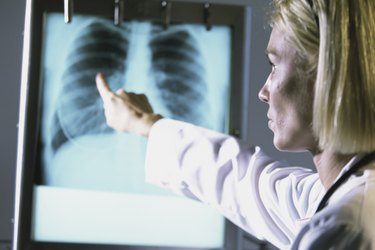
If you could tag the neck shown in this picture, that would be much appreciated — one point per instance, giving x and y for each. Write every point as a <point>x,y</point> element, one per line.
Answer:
<point>329,165</point>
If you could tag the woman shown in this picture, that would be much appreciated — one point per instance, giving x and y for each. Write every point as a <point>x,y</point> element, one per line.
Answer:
<point>321,98</point>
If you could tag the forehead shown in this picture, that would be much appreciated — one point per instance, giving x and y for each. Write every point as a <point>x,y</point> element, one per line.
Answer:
<point>278,44</point>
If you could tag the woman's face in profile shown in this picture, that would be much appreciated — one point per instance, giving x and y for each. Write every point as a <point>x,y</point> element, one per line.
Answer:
<point>289,95</point>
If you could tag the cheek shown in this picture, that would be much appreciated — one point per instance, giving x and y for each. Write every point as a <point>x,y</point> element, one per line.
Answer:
<point>290,130</point>
<point>296,110</point>
<point>279,104</point>
<point>286,119</point>
<point>294,98</point>
<point>292,113</point>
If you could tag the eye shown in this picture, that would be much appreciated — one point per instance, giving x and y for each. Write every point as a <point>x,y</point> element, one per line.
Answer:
<point>273,66</point>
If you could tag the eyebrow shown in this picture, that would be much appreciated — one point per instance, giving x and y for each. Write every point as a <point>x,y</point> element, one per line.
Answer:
<point>270,51</point>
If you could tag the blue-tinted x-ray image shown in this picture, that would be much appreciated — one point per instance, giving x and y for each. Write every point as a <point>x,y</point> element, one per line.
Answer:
<point>184,70</point>
<point>87,166</point>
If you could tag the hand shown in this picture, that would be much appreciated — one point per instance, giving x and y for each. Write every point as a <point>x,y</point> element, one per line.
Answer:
<point>126,112</point>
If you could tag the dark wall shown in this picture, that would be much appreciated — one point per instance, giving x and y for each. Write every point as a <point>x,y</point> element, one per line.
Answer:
<point>11,22</point>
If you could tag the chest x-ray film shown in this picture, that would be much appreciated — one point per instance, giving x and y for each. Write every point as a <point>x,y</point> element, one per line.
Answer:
<point>92,187</point>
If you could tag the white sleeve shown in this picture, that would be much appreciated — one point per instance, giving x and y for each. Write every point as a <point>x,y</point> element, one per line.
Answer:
<point>262,196</point>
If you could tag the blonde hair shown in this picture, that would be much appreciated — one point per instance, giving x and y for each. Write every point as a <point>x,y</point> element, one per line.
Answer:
<point>296,18</point>
<point>335,39</point>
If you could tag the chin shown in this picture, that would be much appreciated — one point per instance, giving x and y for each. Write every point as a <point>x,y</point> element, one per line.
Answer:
<point>279,145</point>
<point>282,148</point>
<point>288,146</point>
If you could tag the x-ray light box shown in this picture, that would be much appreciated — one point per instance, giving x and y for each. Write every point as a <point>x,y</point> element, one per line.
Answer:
<point>80,183</point>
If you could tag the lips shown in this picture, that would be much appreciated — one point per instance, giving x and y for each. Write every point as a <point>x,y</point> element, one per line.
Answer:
<point>270,124</point>
<point>270,121</point>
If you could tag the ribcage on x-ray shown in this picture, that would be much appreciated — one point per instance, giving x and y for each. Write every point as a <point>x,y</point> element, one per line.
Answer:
<point>101,47</point>
<point>178,71</point>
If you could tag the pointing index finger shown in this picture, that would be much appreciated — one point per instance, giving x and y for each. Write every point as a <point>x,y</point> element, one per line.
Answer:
<point>103,87</point>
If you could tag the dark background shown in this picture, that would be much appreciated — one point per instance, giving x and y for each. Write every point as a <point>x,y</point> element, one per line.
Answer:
<point>11,22</point>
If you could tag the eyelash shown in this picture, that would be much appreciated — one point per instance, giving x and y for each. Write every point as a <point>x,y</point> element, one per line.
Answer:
<point>273,66</point>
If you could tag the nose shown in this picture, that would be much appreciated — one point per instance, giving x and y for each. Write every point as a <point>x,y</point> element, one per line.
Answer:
<point>263,94</point>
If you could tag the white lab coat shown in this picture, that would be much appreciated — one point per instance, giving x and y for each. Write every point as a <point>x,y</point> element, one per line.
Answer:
<point>267,198</point>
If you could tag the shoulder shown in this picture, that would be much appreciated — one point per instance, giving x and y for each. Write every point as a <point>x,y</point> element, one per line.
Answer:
<point>326,234</point>
<point>334,228</point>
<point>347,222</point>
